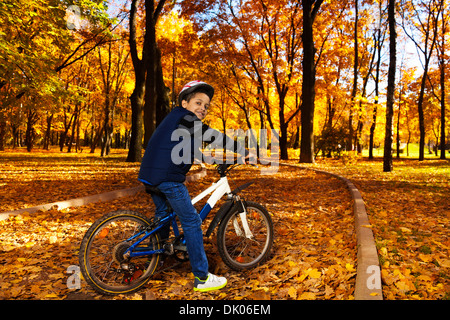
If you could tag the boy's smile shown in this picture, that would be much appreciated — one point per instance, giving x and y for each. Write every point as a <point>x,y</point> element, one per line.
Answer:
<point>198,104</point>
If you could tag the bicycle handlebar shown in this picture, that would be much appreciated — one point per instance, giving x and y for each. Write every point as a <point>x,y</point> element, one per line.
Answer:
<point>224,168</point>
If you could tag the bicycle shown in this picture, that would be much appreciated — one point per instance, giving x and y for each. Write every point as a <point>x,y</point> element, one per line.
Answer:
<point>121,250</point>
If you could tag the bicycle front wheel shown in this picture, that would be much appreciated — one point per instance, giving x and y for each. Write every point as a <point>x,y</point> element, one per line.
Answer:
<point>245,240</point>
<point>102,250</point>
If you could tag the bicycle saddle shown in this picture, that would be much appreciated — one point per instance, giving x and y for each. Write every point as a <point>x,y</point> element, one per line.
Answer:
<point>154,190</point>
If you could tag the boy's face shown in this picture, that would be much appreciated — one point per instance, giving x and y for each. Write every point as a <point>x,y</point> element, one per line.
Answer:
<point>198,104</point>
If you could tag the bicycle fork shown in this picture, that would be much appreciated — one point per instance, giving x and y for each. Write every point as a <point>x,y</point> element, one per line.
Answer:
<point>243,215</point>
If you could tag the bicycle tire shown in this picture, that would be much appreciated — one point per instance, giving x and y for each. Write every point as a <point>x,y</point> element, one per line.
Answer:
<point>108,277</point>
<point>235,248</point>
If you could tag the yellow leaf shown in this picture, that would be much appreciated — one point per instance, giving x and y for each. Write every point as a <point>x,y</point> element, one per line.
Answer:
<point>444,263</point>
<point>403,286</point>
<point>307,296</point>
<point>292,293</point>
<point>441,245</point>
<point>302,277</point>
<point>425,258</point>
<point>51,295</point>
<point>313,273</point>
<point>292,263</point>
<point>374,294</point>
<point>424,278</point>
<point>56,276</point>
<point>405,230</point>
<point>30,244</point>
<point>350,267</point>
<point>387,278</point>
<point>34,269</point>
<point>399,274</point>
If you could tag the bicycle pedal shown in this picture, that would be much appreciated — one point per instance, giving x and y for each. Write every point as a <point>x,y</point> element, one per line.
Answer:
<point>180,247</point>
<point>168,248</point>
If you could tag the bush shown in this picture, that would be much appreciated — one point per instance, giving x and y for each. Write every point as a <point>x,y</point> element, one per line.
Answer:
<point>332,142</point>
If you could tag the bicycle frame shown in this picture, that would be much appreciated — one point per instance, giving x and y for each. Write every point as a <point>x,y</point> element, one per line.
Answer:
<point>218,190</point>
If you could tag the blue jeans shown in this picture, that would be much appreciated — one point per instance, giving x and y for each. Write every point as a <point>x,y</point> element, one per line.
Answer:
<point>178,197</point>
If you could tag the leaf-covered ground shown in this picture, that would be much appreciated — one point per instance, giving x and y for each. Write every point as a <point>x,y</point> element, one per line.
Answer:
<point>314,254</point>
<point>31,179</point>
<point>409,210</point>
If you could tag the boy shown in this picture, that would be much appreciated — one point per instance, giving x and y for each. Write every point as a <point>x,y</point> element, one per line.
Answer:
<point>158,169</point>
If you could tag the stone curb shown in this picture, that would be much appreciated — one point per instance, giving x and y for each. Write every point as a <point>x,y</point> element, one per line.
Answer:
<point>107,196</point>
<point>368,272</point>
<point>77,202</point>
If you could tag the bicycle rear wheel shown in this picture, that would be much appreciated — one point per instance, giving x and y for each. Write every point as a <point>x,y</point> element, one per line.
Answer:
<point>101,254</point>
<point>240,249</point>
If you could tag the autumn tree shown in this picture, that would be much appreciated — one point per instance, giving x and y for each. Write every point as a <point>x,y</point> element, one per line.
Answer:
<point>310,9</point>
<point>261,44</point>
<point>137,97</point>
<point>114,71</point>
<point>442,49</point>
<point>425,24</point>
<point>36,46</point>
<point>387,158</point>
<point>149,95</point>
<point>379,38</point>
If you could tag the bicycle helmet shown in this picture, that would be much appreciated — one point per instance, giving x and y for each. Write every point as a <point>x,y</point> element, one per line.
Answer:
<point>195,86</point>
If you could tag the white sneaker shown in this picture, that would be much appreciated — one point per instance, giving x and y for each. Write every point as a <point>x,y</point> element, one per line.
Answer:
<point>213,282</point>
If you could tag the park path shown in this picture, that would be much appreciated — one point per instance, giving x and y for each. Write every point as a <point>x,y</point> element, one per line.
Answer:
<point>368,278</point>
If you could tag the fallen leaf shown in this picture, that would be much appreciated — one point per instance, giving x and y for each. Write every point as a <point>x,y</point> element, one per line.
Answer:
<point>292,293</point>
<point>350,267</point>
<point>313,273</point>
<point>307,296</point>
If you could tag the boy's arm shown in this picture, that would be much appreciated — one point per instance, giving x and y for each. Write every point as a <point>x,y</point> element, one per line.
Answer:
<point>198,129</point>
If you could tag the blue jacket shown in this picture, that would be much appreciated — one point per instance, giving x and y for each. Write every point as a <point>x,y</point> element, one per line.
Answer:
<point>157,165</point>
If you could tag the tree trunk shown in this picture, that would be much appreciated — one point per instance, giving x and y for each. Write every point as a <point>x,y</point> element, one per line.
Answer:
<point>378,44</point>
<point>137,133</point>
<point>48,132</point>
<point>442,80</point>
<point>30,134</point>
<point>2,134</point>
<point>309,79</point>
<point>137,97</point>
<point>74,125</point>
<point>351,132</point>
<point>387,159</point>
<point>157,102</point>
<point>427,56</point>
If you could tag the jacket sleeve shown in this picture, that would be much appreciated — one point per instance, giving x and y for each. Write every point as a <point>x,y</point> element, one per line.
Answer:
<point>198,130</point>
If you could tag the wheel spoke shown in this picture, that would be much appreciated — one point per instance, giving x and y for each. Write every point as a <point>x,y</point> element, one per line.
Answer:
<point>102,254</point>
<point>238,250</point>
